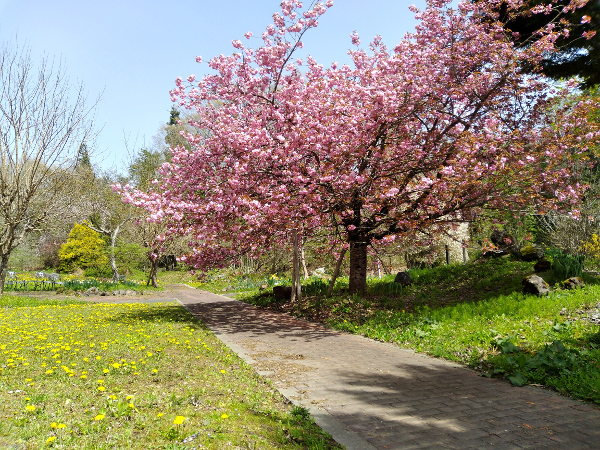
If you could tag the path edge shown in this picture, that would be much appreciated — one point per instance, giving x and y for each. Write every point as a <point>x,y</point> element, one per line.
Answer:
<point>338,431</point>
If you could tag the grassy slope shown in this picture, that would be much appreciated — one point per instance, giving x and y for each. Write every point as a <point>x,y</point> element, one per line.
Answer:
<point>474,314</point>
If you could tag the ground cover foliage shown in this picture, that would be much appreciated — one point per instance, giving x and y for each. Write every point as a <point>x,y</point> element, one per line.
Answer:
<point>473,314</point>
<point>95,376</point>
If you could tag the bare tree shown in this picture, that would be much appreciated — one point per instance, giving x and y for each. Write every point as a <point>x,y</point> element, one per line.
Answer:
<point>102,209</point>
<point>43,122</point>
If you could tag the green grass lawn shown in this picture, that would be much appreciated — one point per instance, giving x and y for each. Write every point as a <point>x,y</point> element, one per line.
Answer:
<point>474,314</point>
<point>133,376</point>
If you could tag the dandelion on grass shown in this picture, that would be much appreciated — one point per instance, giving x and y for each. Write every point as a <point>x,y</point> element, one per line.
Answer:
<point>50,440</point>
<point>179,420</point>
<point>30,408</point>
<point>99,417</point>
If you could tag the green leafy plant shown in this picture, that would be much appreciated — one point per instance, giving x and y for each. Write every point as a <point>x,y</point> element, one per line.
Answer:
<point>564,265</point>
<point>552,360</point>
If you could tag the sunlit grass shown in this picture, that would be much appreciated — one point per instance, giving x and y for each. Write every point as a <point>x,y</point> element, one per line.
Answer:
<point>135,376</point>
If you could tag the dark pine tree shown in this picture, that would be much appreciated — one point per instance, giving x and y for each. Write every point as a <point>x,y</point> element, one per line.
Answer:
<point>578,56</point>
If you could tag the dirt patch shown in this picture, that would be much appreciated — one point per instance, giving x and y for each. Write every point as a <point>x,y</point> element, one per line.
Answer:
<point>284,373</point>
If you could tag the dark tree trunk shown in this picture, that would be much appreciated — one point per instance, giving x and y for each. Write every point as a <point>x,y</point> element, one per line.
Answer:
<point>3,268</point>
<point>358,266</point>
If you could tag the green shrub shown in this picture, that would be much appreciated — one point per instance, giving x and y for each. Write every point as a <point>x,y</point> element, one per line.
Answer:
<point>98,272</point>
<point>130,257</point>
<point>84,249</point>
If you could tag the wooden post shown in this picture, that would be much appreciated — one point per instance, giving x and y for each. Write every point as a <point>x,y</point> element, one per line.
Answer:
<point>447,254</point>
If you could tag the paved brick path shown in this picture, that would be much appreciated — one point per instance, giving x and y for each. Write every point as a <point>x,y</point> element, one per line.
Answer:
<point>373,395</point>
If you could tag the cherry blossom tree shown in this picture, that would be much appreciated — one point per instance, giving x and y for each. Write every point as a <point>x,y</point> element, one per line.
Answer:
<point>402,143</point>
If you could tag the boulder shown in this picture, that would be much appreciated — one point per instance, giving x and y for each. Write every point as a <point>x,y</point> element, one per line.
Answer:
<point>403,278</point>
<point>505,242</point>
<point>573,283</point>
<point>92,291</point>
<point>535,285</point>
<point>543,265</point>
<point>531,253</point>
<point>282,292</point>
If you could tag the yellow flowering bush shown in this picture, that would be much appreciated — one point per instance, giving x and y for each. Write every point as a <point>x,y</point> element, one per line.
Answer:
<point>84,248</point>
<point>591,249</point>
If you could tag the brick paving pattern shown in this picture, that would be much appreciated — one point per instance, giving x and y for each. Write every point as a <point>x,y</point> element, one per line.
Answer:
<point>391,398</point>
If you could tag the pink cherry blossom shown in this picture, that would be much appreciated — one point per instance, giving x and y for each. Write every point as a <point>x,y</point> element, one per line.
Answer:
<point>418,137</point>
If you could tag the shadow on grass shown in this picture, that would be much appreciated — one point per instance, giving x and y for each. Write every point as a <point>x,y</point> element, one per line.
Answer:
<point>159,313</point>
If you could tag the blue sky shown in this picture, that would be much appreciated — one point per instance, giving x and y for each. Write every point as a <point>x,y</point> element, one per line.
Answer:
<point>130,52</point>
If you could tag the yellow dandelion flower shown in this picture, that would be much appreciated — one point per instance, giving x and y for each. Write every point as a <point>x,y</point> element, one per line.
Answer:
<point>159,415</point>
<point>30,408</point>
<point>101,388</point>
<point>99,417</point>
<point>179,420</point>
<point>50,439</point>
<point>224,416</point>
<point>222,371</point>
